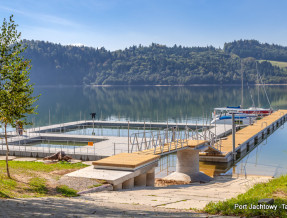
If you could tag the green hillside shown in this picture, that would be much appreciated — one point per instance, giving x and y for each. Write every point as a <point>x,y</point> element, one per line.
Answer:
<point>54,64</point>
<point>276,63</point>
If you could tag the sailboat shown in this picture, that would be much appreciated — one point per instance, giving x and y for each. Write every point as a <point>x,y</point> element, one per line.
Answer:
<point>242,115</point>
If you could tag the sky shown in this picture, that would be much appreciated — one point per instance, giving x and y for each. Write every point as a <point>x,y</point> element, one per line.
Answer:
<point>117,24</point>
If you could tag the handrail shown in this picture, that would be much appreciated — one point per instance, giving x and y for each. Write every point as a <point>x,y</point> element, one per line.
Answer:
<point>168,137</point>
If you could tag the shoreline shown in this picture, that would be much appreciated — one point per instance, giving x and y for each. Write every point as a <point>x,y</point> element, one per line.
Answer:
<point>192,85</point>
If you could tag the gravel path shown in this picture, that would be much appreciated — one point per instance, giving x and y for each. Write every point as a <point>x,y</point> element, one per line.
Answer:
<point>78,183</point>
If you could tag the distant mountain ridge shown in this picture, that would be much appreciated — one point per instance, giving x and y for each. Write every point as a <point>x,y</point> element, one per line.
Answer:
<point>54,64</point>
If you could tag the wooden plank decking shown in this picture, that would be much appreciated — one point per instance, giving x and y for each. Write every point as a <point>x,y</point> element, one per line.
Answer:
<point>251,131</point>
<point>134,160</point>
<point>167,148</point>
<point>126,160</point>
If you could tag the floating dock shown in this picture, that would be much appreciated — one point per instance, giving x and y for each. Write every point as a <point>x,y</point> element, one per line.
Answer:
<point>105,146</point>
<point>245,138</point>
<point>64,127</point>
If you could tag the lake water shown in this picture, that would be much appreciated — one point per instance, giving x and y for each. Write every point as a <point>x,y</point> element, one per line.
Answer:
<point>175,104</point>
<point>146,103</point>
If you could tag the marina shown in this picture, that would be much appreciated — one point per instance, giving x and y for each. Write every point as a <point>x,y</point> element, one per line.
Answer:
<point>142,149</point>
<point>217,138</point>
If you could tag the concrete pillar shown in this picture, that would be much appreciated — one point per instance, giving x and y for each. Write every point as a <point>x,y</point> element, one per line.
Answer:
<point>118,187</point>
<point>187,161</point>
<point>150,176</point>
<point>129,184</point>
<point>140,180</point>
<point>187,168</point>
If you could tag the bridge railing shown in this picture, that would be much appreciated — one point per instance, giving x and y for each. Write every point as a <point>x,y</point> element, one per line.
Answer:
<point>166,138</point>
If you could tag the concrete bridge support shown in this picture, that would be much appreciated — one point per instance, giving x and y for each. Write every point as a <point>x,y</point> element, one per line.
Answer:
<point>129,184</point>
<point>187,167</point>
<point>140,180</point>
<point>118,187</point>
<point>150,177</point>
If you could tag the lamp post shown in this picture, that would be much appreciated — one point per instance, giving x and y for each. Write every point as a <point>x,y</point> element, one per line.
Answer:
<point>93,117</point>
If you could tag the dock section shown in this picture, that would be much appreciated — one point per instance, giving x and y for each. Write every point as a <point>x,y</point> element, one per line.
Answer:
<point>141,164</point>
<point>245,138</point>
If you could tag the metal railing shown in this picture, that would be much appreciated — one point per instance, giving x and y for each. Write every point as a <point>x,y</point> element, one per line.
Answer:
<point>165,139</point>
<point>46,147</point>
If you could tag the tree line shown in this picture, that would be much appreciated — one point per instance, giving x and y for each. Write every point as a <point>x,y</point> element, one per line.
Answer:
<point>55,64</point>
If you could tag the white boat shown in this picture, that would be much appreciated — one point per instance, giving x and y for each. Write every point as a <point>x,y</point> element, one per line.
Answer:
<point>252,111</point>
<point>224,116</point>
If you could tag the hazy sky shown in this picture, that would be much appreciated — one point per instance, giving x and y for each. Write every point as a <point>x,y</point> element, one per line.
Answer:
<point>116,24</point>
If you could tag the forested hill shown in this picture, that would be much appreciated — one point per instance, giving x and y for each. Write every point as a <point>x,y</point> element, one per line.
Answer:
<point>54,64</point>
<point>253,48</point>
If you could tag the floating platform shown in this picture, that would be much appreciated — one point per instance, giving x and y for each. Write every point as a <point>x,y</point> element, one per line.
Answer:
<point>63,127</point>
<point>245,138</point>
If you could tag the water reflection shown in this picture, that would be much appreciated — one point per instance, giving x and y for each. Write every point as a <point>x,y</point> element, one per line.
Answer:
<point>146,103</point>
<point>173,104</point>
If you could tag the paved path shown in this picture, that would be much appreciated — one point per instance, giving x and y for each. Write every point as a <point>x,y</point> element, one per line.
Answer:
<point>172,201</point>
<point>181,196</point>
<point>59,207</point>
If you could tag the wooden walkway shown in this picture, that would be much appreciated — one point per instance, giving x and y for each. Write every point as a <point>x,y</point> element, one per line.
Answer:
<point>248,135</point>
<point>126,161</point>
<point>173,147</point>
<point>140,158</point>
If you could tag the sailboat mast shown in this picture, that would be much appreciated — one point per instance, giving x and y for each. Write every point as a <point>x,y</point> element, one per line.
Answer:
<point>241,86</point>
<point>258,87</point>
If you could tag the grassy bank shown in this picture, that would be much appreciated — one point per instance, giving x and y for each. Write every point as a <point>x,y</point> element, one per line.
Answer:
<point>276,63</point>
<point>35,179</point>
<point>276,188</point>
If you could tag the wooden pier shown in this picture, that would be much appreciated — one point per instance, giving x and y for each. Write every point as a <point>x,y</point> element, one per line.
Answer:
<point>245,138</point>
<point>105,146</point>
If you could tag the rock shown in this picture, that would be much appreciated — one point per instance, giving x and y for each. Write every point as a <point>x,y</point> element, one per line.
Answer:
<point>59,156</point>
<point>266,201</point>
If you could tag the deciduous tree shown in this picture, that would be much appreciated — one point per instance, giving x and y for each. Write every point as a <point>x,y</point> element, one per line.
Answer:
<point>16,100</point>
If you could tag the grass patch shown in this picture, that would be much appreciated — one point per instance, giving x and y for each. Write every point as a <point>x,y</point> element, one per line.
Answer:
<point>6,186</point>
<point>276,63</point>
<point>95,185</point>
<point>38,166</point>
<point>276,188</point>
<point>66,191</point>
<point>29,179</point>
<point>38,185</point>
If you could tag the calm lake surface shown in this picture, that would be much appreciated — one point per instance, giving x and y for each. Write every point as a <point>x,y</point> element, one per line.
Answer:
<point>146,103</point>
<point>175,104</point>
